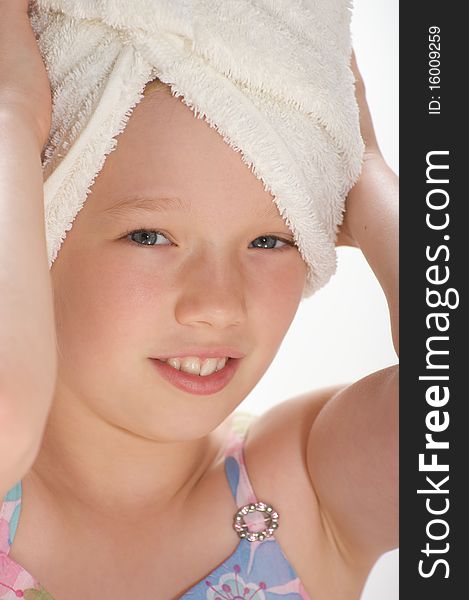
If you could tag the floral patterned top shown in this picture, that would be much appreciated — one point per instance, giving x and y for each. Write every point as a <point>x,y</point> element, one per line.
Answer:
<point>257,570</point>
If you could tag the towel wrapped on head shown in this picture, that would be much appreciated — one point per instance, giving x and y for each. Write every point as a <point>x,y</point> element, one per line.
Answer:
<point>272,76</point>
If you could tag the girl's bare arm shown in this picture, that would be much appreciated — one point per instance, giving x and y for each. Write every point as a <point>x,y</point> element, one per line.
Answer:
<point>352,451</point>
<point>371,220</point>
<point>27,326</point>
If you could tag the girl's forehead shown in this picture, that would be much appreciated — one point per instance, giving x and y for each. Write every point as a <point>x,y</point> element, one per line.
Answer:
<point>165,151</point>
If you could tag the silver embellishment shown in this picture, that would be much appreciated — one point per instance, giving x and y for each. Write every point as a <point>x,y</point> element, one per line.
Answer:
<point>271,517</point>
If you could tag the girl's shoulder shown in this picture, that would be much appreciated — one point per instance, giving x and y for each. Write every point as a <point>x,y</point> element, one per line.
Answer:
<point>282,432</point>
<point>275,457</point>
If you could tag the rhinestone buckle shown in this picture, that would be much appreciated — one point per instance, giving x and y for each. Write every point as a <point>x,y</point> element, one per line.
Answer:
<point>270,517</point>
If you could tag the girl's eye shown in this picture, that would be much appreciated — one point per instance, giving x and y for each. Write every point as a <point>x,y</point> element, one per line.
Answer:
<point>145,237</point>
<point>269,241</point>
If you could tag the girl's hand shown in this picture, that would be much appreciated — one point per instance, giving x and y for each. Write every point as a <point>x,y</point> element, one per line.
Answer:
<point>372,153</point>
<point>371,220</point>
<point>24,83</point>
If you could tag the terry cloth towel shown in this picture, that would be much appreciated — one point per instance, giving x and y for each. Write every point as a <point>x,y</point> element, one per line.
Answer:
<point>272,76</point>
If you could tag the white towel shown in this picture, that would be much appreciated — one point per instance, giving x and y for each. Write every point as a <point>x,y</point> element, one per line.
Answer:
<point>272,76</point>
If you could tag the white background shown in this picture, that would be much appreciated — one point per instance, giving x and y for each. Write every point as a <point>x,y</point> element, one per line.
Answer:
<point>342,332</point>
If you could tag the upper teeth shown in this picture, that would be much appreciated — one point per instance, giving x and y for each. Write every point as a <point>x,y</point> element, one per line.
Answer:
<point>193,364</point>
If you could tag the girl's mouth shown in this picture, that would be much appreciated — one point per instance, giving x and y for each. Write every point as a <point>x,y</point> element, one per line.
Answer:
<point>197,384</point>
<point>194,365</point>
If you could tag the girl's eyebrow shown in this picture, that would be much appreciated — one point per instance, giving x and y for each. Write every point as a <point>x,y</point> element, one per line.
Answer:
<point>146,203</point>
<point>151,204</point>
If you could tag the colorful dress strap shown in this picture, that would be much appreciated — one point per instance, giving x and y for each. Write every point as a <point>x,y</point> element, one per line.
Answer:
<point>9,516</point>
<point>15,582</point>
<point>258,569</point>
<point>239,482</point>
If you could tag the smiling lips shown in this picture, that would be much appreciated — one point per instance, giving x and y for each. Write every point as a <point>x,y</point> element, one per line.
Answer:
<point>196,383</point>
<point>196,366</point>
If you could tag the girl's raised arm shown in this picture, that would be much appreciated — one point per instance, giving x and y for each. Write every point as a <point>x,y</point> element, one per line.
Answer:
<point>27,326</point>
<point>352,451</point>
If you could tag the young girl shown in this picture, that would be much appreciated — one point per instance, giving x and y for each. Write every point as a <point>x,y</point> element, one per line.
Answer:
<point>123,474</point>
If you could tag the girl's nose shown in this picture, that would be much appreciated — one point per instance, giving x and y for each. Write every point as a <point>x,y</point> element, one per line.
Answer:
<point>212,293</point>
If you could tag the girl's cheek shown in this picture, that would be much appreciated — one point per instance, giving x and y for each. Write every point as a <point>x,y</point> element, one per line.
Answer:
<point>282,283</point>
<point>278,297</point>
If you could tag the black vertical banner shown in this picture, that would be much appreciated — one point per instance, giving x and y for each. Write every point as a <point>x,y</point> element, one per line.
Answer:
<point>434,267</point>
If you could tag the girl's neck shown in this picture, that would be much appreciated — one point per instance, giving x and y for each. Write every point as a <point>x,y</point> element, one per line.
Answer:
<point>90,465</point>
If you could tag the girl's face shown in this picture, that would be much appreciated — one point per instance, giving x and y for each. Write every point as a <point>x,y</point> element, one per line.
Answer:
<point>214,274</point>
